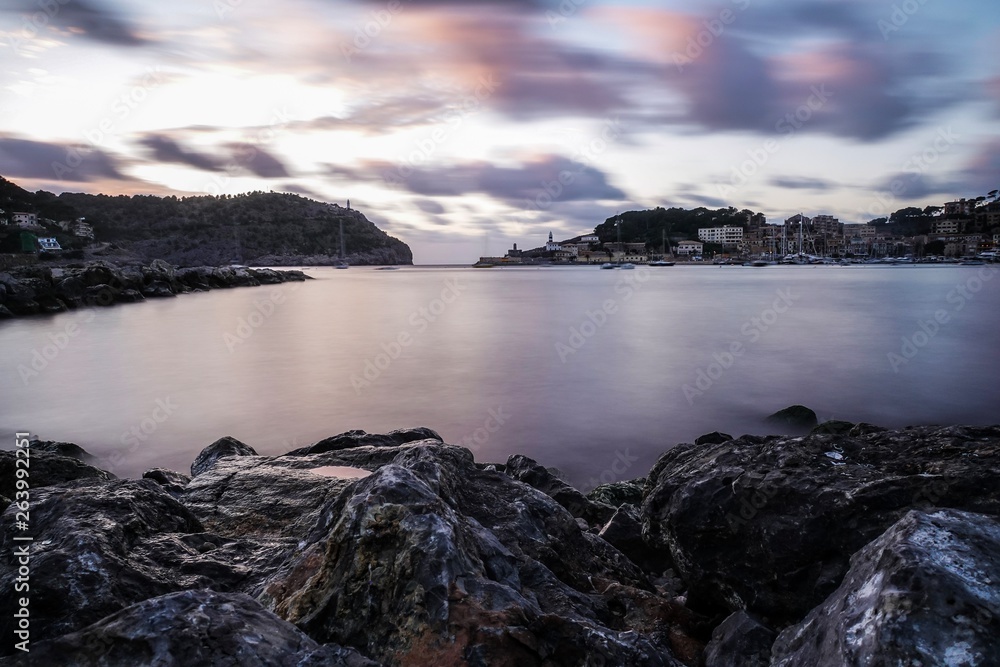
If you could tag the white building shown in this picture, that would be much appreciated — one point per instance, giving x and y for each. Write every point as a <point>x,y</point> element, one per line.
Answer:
<point>24,219</point>
<point>49,243</point>
<point>727,235</point>
<point>864,231</point>
<point>590,238</point>
<point>552,246</point>
<point>689,248</point>
<point>947,227</point>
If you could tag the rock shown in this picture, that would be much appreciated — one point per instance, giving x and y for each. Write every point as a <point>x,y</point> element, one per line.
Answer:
<point>199,627</point>
<point>256,496</point>
<point>158,289</point>
<point>173,482</point>
<point>47,469</point>
<point>624,532</point>
<point>768,524</point>
<point>85,556</point>
<point>71,290</point>
<point>741,640</point>
<point>431,560</point>
<point>528,471</point>
<point>5,313</point>
<point>865,429</point>
<point>101,295</point>
<point>924,593</point>
<point>221,448</point>
<point>834,427</point>
<point>130,296</point>
<point>617,494</point>
<point>794,417</point>
<point>67,449</point>
<point>359,438</point>
<point>713,438</point>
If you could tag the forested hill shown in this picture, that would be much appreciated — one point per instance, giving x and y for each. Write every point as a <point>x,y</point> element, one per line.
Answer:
<point>648,226</point>
<point>259,227</point>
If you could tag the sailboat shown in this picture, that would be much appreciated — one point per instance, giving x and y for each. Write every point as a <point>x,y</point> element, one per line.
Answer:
<point>663,253</point>
<point>341,262</point>
<point>626,265</point>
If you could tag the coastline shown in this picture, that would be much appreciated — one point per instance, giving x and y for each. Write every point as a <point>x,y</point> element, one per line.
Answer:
<point>37,290</point>
<point>397,549</point>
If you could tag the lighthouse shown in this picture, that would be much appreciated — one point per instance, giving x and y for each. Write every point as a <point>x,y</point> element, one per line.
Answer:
<point>552,245</point>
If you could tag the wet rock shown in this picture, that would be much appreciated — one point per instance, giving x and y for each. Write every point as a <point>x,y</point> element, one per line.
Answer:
<point>359,438</point>
<point>199,627</point>
<point>432,560</point>
<point>68,449</point>
<point>130,296</point>
<point>617,494</point>
<point>5,313</point>
<point>221,448</point>
<point>46,469</point>
<point>740,640</point>
<point>173,482</point>
<point>768,524</point>
<point>624,532</point>
<point>793,417</point>
<point>713,438</point>
<point>528,471</point>
<point>833,427</point>
<point>924,593</point>
<point>158,289</point>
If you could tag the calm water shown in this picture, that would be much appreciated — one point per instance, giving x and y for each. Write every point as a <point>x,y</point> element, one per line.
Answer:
<point>489,358</point>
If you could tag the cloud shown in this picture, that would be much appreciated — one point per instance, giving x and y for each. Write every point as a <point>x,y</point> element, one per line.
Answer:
<point>546,178</point>
<point>429,206</point>
<point>79,17</point>
<point>258,161</point>
<point>24,158</point>
<point>802,183</point>
<point>165,149</point>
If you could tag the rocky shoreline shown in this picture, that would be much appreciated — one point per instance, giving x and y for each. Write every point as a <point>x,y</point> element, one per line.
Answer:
<point>852,545</point>
<point>38,289</point>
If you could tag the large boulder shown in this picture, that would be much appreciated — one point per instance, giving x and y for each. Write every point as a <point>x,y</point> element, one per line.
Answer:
<point>199,627</point>
<point>222,448</point>
<point>46,469</point>
<point>359,438</point>
<point>768,524</point>
<point>794,417</point>
<point>740,640</point>
<point>924,593</point>
<point>432,560</point>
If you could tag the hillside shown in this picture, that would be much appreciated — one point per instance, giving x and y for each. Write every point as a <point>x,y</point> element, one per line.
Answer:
<point>680,224</point>
<point>256,228</point>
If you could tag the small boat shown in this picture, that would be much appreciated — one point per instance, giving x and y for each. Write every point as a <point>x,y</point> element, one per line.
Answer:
<point>627,266</point>
<point>661,262</point>
<point>607,265</point>
<point>759,263</point>
<point>387,268</point>
<point>973,262</point>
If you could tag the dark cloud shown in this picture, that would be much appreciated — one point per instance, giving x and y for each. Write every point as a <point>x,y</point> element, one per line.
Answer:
<point>24,158</point>
<point>429,206</point>
<point>802,183</point>
<point>165,149</point>
<point>982,174</point>
<point>546,179</point>
<point>90,19</point>
<point>258,161</point>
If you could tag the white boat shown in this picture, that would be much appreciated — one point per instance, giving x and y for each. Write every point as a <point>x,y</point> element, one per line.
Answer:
<point>607,265</point>
<point>626,266</point>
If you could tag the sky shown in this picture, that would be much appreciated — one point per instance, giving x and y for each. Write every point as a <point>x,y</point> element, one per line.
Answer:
<point>464,127</point>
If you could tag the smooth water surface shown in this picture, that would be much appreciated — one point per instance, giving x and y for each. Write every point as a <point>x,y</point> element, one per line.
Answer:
<point>595,372</point>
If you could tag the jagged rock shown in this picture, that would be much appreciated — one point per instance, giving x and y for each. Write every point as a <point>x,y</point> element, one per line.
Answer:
<point>221,448</point>
<point>617,494</point>
<point>5,313</point>
<point>130,296</point>
<point>158,289</point>
<point>199,627</point>
<point>359,438</point>
<point>528,471</point>
<point>833,427</point>
<point>47,469</point>
<point>713,438</point>
<point>431,560</point>
<point>924,593</point>
<point>741,640</point>
<point>624,532</point>
<point>101,295</point>
<point>173,482</point>
<point>794,417</point>
<point>768,524</point>
<point>68,449</point>
<point>258,496</point>
<point>865,429</point>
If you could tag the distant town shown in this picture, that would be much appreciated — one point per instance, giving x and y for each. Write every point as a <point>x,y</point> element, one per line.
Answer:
<point>965,229</point>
